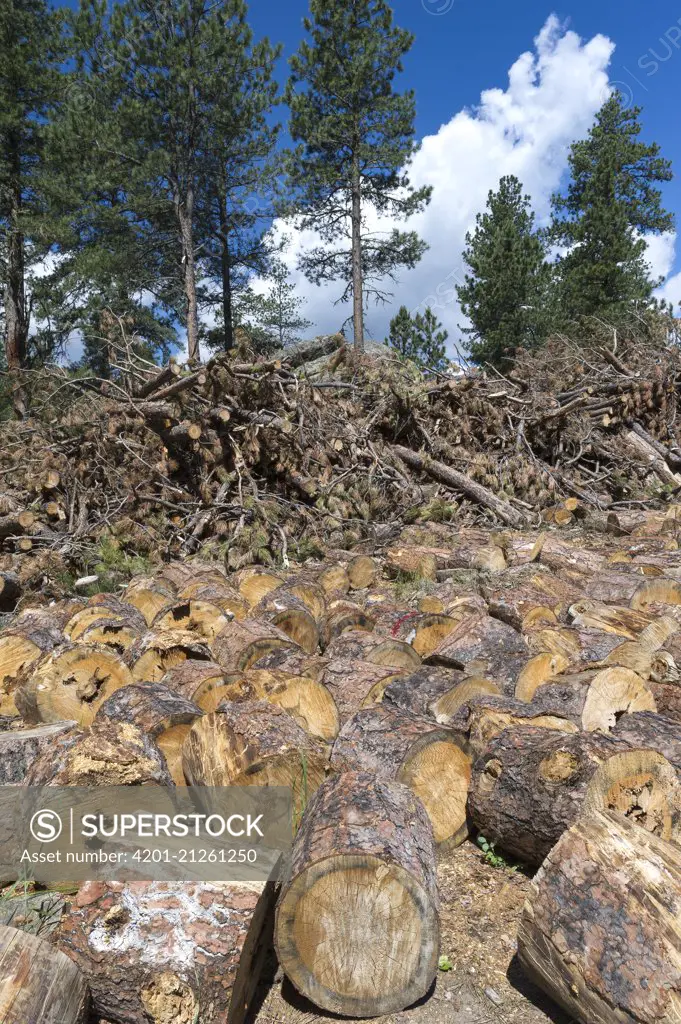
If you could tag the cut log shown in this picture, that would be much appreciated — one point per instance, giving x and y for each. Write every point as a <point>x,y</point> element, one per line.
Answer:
<point>415,563</point>
<point>600,931</point>
<point>157,712</point>
<point>110,754</point>
<point>241,644</point>
<point>344,615</point>
<point>424,633</point>
<point>254,584</point>
<point>595,699</point>
<point>16,523</point>
<point>644,451</point>
<point>484,646</point>
<point>529,597</point>
<point>225,597</point>
<point>537,671</point>
<point>482,718</point>
<point>461,483</point>
<point>10,591</point>
<point>196,681</point>
<point>307,701</point>
<point>39,984</point>
<point>167,952</point>
<point>254,744</point>
<point>530,785</point>
<point>362,879</point>
<point>657,597</point>
<point>20,748</point>
<point>71,684</point>
<point>335,580</point>
<point>149,595</point>
<point>22,646</point>
<point>418,691</point>
<point>359,645</point>
<point>647,730</point>
<point>287,611</point>
<point>153,654</point>
<point>104,608</point>
<point>624,622</point>
<point>355,684</point>
<point>193,616</point>
<point>362,572</point>
<point>434,762</point>
<point>293,662</point>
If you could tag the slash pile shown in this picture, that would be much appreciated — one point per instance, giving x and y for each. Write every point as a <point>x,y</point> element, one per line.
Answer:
<point>266,461</point>
<point>525,683</point>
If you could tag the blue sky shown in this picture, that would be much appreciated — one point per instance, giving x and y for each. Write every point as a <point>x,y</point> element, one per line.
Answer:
<point>504,88</point>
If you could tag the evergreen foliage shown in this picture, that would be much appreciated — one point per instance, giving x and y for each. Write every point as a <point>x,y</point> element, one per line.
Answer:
<point>419,338</point>
<point>506,294</point>
<point>356,136</point>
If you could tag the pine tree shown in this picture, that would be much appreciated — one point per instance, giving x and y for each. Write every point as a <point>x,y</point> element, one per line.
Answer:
<point>279,310</point>
<point>506,294</point>
<point>31,48</point>
<point>357,136</point>
<point>419,338</point>
<point>176,113</point>
<point>611,200</point>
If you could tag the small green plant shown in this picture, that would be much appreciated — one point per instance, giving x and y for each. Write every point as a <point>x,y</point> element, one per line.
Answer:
<point>410,584</point>
<point>113,566</point>
<point>491,856</point>
<point>444,963</point>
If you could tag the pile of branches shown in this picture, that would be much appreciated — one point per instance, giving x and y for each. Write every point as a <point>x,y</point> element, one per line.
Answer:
<point>266,460</point>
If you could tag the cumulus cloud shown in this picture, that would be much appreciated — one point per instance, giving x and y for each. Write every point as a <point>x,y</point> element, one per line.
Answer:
<point>553,92</point>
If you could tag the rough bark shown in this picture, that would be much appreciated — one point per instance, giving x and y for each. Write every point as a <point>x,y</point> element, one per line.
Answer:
<point>20,748</point>
<point>530,785</point>
<point>355,684</point>
<point>241,644</point>
<point>482,718</point>
<point>111,754</point>
<point>169,951</point>
<point>194,616</point>
<point>253,744</point>
<point>530,595</point>
<point>645,729</point>
<point>379,650</point>
<point>600,931</point>
<point>22,645</point>
<point>196,681</point>
<point>357,928</point>
<point>434,762</point>
<point>594,699</point>
<point>484,646</point>
<point>150,657</point>
<point>39,984</point>
<point>158,713</point>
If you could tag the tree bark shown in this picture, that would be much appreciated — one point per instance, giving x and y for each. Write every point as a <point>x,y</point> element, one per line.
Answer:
<point>169,951</point>
<point>185,215</point>
<point>20,748</point>
<point>531,785</point>
<point>150,657</point>
<point>254,744</point>
<point>434,762</point>
<point>241,644</point>
<point>356,684</point>
<point>487,647</point>
<point>39,983</point>
<point>357,928</point>
<point>481,718</point>
<point>600,932</point>
<point>646,729</point>
<point>164,716</point>
<point>226,274</point>
<point>459,482</point>
<point>594,699</point>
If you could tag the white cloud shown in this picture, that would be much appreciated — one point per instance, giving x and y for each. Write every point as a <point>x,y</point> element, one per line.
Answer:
<point>526,129</point>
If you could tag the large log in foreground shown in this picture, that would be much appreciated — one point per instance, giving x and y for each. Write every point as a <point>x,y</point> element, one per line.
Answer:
<point>531,785</point>
<point>434,762</point>
<point>38,984</point>
<point>601,928</point>
<point>357,928</point>
<point>169,952</point>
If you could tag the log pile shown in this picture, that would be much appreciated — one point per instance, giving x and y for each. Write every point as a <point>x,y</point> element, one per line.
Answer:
<point>270,460</point>
<point>524,683</point>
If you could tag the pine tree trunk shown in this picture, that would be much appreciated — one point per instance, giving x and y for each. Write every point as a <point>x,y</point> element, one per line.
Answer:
<point>225,270</point>
<point>357,283</point>
<point>16,320</point>
<point>185,214</point>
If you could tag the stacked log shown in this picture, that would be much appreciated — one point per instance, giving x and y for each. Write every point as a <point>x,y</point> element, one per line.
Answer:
<point>39,983</point>
<point>362,878</point>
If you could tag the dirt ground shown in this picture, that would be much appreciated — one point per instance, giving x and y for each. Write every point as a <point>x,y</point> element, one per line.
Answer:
<point>481,907</point>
